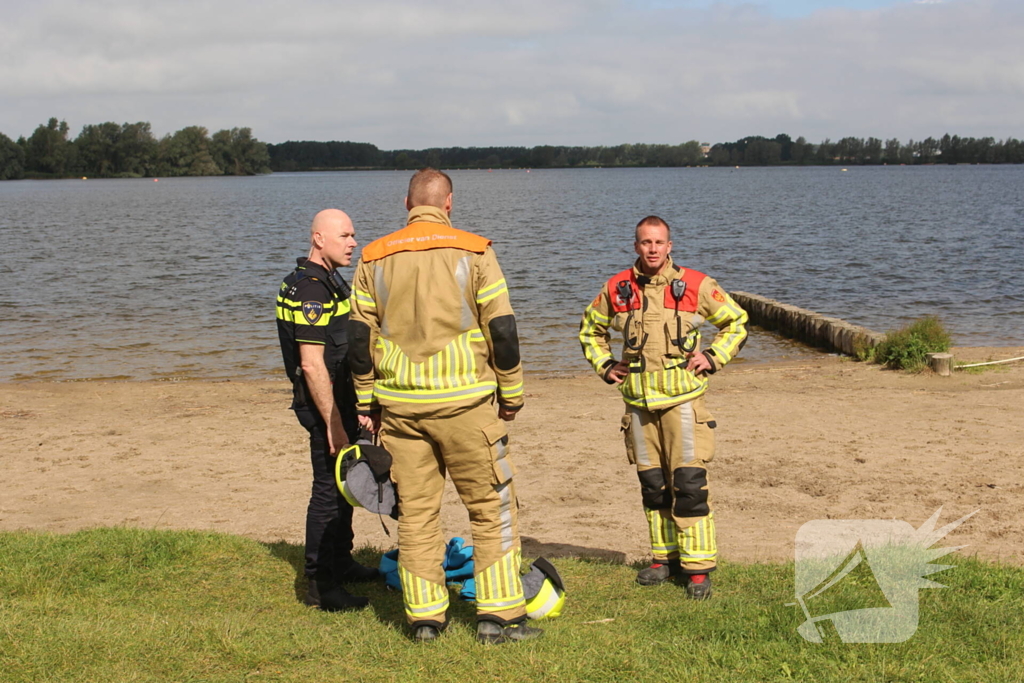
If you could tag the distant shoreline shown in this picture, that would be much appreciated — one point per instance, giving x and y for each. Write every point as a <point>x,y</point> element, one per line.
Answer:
<point>381,169</point>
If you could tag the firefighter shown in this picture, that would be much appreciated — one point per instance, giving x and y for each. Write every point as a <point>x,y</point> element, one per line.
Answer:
<point>663,375</point>
<point>434,347</point>
<point>312,325</point>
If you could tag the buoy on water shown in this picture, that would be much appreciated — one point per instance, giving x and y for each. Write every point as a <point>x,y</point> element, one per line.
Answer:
<point>845,170</point>
<point>84,178</point>
<point>156,180</point>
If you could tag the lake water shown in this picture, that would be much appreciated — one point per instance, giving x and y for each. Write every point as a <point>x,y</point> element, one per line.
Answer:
<point>138,279</point>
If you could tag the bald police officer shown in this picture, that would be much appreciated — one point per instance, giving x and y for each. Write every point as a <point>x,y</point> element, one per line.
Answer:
<point>312,324</point>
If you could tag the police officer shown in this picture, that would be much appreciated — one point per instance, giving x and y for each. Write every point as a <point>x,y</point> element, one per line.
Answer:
<point>662,375</point>
<point>312,325</point>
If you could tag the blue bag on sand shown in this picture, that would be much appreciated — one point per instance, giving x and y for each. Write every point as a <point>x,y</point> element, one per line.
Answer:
<point>389,569</point>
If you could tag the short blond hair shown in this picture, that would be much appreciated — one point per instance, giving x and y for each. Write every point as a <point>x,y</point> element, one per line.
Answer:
<point>429,187</point>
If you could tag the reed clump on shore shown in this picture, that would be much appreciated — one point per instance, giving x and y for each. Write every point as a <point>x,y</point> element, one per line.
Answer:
<point>908,347</point>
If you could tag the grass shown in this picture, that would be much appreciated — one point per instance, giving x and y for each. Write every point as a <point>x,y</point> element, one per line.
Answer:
<point>133,605</point>
<point>907,347</point>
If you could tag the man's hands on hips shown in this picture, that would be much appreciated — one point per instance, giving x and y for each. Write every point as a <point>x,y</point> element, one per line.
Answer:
<point>618,372</point>
<point>698,363</point>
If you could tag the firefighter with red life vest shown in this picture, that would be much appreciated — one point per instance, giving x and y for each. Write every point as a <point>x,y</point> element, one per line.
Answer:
<point>663,375</point>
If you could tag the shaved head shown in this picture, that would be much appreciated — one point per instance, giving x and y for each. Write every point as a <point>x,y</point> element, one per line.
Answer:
<point>328,218</point>
<point>332,238</point>
<point>429,187</point>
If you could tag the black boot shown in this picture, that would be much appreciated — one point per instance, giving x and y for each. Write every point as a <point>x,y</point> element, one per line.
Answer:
<point>355,572</point>
<point>492,633</point>
<point>333,598</point>
<point>659,572</point>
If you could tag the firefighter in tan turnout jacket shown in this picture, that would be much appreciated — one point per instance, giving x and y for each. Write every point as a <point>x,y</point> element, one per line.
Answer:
<point>434,346</point>
<point>662,375</point>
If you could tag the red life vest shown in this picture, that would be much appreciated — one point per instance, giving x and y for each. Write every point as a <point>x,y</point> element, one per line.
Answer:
<point>688,303</point>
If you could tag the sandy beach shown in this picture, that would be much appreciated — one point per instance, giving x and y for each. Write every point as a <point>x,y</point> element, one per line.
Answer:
<point>797,441</point>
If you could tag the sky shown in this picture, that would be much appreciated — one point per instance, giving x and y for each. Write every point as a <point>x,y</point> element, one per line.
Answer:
<point>417,74</point>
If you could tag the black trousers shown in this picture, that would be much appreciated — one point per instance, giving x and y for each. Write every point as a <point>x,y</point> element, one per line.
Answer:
<point>329,516</point>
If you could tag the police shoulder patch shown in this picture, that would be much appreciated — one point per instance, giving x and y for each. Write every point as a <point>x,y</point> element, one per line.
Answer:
<point>312,310</point>
<point>717,296</point>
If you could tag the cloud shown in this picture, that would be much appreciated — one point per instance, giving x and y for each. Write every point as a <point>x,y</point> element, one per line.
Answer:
<point>454,72</point>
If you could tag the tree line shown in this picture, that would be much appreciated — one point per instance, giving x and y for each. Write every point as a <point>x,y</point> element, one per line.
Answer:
<point>311,156</point>
<point>130,150</point>
<point>748,151</point>
<point>111,150</point>
<point>949,149</point>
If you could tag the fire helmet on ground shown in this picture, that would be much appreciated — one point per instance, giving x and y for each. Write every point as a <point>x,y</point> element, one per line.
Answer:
<point>544,590</point>
<point>362,472</point>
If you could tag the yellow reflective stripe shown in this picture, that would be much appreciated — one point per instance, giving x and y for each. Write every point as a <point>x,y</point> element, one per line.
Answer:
<point>662,532</point>
<point>364,396</point>
<point>422,598</point>
<point>593,328</point>
<point>512,391</point>
<point>450,374</point>
<point>365,299</point>
<point>727,311</point>
<point>344,306</point>
<point>730,338</point>
<point>499,587</point>
<point>662,388</point>
<point>435,395</point>
<point>297,305</point>
<point>698,541</point>
<point>487,293</point>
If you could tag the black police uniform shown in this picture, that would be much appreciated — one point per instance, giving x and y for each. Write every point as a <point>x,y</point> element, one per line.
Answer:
<point>313,307</point>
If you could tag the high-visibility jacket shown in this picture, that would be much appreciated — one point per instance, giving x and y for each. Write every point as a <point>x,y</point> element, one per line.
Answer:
<point>313,308</point>
<point>432,328</point>
<point>660,322</point>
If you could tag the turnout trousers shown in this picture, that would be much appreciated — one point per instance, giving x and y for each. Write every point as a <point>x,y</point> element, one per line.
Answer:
<point>671,448</point>
<point>472,446</point>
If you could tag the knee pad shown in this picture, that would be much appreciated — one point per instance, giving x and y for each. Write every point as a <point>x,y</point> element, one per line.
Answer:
<point>691,495</point>
<point>653,491</point>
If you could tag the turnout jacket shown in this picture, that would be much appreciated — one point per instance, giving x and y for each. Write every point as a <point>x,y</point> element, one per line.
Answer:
<point>432,330</point>
<point>660,319</point>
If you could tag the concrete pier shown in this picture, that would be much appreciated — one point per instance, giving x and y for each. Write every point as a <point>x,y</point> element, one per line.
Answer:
<point>806,326</point>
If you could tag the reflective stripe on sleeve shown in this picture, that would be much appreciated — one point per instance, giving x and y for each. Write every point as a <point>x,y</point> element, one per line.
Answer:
<point>487,293</point>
